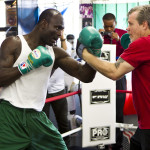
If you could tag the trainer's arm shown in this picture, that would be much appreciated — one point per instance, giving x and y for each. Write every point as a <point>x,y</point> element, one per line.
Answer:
<point>113,71</point>
<point>8,55</point>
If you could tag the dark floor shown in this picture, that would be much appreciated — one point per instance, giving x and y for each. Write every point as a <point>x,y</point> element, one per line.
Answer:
<point>76,142</point>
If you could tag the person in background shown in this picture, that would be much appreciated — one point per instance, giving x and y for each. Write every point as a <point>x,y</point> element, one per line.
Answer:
<point>112,35</point>
<point>72,85</point>
<point>26,63</point>
<point>56,86</point>
<point>71,40</point>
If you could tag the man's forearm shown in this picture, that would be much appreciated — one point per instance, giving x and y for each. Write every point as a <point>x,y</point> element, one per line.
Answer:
<point>104,67</point>
<point>8,76</point>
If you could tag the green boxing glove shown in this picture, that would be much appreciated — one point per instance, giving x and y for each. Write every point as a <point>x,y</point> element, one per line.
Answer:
<point>91,39</point>
<point>125,40</point>
<point>38,57</point>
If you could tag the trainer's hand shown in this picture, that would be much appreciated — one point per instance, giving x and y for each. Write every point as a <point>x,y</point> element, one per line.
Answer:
<point>125,40</point>
<point>91,39</point>
<point>38,57</point>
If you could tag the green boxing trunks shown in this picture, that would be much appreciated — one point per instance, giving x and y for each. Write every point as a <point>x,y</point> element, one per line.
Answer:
<point>27,129</point>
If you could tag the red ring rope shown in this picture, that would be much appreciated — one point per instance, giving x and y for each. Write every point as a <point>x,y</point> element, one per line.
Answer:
<point>128,107</point>
<point>62,96</point>
<point>77,92</point>
<point>123,91</point>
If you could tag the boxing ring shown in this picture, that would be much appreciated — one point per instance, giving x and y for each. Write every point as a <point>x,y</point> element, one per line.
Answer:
<point>119,125</point>
<point>99,107</point>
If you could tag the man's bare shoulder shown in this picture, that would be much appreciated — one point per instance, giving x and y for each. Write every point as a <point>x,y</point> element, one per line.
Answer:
<point>10,46</point>
<point>11,42</point>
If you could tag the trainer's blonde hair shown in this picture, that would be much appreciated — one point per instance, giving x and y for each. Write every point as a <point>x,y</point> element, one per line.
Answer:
<point>143,13</point>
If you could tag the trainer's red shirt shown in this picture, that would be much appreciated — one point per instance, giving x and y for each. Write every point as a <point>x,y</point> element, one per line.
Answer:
<point>108,40</point>
<point>138,55</point>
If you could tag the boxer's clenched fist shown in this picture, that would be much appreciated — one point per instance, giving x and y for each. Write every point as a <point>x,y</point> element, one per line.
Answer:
<point>38,57</point>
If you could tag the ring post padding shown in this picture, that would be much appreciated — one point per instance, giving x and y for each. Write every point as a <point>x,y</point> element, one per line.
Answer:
<point>99,106</point>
